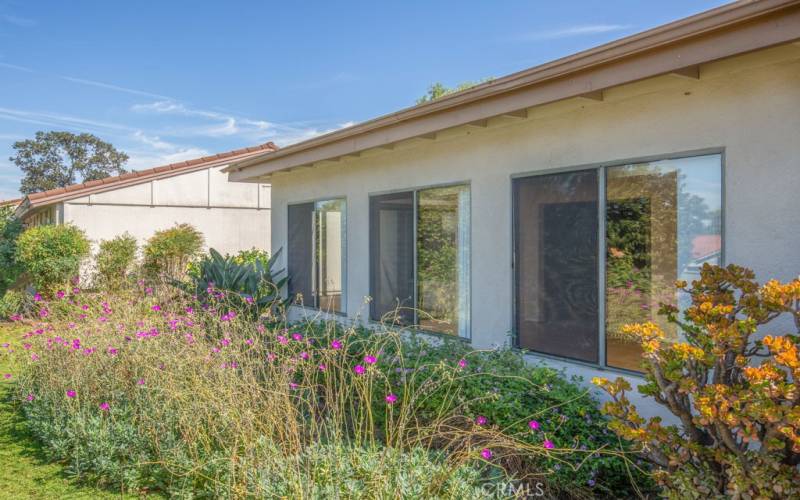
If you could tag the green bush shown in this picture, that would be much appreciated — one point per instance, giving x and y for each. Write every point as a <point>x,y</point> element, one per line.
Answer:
<point>114,261</point>
<point>13,303</point>
<point>244,283</point>
<point>52,255</point>
<point>168,253</point>
<point>10,229</point>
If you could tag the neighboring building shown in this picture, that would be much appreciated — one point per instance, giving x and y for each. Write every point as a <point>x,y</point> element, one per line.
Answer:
<point>231,216</point>
<point>555,204</point>
<point>10,203</point>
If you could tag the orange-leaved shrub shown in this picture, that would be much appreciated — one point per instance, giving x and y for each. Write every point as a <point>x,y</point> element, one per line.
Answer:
<point>737,397</point>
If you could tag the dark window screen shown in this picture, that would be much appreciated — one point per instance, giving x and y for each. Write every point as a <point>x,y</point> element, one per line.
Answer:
<point>555,223</point>
<point>300,266</point>
<point>392,257</point>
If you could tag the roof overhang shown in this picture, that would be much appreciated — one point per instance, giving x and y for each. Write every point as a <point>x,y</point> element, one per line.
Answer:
<point>679,47</point>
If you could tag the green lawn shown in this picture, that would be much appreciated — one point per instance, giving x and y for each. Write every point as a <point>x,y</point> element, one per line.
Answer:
<point>24,471</point>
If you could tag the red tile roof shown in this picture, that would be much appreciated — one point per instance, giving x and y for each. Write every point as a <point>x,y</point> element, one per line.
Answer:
<point>137,177</point>
<point>10,203</point>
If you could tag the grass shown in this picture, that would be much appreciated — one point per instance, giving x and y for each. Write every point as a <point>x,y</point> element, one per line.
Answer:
<point>24,470</point>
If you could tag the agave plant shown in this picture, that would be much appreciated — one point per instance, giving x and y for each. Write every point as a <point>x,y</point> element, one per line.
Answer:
<point>249,287</point>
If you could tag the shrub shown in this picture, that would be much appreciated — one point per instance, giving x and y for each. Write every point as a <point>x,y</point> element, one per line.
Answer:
<point>52,255</point>
<point>736,397</point>
<point>115,259</point>
<point>14,303</point>
<point>244,283</point>
<point>194,401</point>
<point>168,253</point>
<point>10,229</point>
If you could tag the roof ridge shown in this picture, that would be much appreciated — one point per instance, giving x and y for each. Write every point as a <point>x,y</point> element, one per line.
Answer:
<point>149,172</point>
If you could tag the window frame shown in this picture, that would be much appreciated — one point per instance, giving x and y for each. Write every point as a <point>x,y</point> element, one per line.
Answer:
<point>415,192</point>
<point>314,265</point>
<point>601,169</point>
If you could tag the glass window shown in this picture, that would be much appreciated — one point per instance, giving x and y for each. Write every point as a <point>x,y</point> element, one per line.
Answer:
<point>663,222</point>
<point>316,260</point>
<point>419,258</point>
<point>556,264</point>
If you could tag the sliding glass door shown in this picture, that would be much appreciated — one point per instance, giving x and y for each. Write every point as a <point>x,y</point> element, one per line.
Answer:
<point>419,259</point>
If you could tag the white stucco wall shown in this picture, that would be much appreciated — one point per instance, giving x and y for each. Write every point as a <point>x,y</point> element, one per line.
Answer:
<point>231,216</point>
<point>748,106</point>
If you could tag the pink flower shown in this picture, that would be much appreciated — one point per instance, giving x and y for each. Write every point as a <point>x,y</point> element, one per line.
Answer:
<point>60,294</point>
<point>486,453</point>
<point>226,342</point>
<point>462,363</point>
<point>112,351</point>
<point>189,310</point>
<point>480,420</point>
<point>71,393</point>
<point>37,297</point>
<point>359,369</point>
<point>76,291</point>
<point>30,397</point>
<point>249,299</point>
<point>548,444</point>
<point>322,367</point>
<point>34,357</point>
<point>249,341</point>
<point>15,317</point>
<point>282,339</point>
<point>297,337</point>
<point>7,376</point>
<point>293,386</point>
<point>304,355</point>
<point>140,381</point>
<point>336,344</point>
<point>534,425</point>
<point>156,308</point>
<point>105,406</point>
<point>391,398</point>
<point>43,313</point>
<point>370,360</point>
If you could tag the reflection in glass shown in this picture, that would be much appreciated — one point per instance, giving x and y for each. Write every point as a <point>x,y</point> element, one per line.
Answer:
<point>443,259</point>
<point>556,225</point>
<point>329,234</point>
<point>663,221</point>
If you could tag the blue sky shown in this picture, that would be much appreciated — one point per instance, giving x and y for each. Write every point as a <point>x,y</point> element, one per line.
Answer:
<point>172,80</point>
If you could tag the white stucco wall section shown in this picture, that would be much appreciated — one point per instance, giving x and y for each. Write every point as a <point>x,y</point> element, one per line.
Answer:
<point>749,107</point>
<point>231,216</point>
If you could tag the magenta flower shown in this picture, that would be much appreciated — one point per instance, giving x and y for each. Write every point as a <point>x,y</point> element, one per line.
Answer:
<point>297,337</point>
<point>112,351</point>
<point>226,342</point>
<point>359,369</point>
<point>282,339</point>
<point>480,420</point>
<point>391,398</point>
<point>249,299</point>
<point>34,357</point>
<point>7,376</point>
<point>548,444</point>
<point>60,294</point>
<point>370,360</point>
<point>534,425</point>
<point>322,367</point>
<point>336,344</point>
<point>156,308</point>
<point>293,386</point>
<point>15,317</point>
<point>105,406</point>
<point>30,397</point>
<point>71,393</point>
<point>37,297</point>
<point>76,291</point>
<point>140,381</point>
<point>189,310</point>
<point>462,363</point>
<point>304,355</point>
<point>43,313</point>
<point>486,453</point>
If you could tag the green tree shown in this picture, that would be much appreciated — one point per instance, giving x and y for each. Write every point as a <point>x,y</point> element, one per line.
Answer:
<point>10,229</point>
<point>438,90</point>
<point>58,159</point>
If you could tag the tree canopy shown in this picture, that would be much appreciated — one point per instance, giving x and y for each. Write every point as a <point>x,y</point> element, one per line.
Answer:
<point>438,90</point>
<point>57,159</point>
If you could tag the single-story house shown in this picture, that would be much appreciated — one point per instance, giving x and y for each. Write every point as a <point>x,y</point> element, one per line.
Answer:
<point>549,207</point>
<point>231,216</point>
<point>10,203</point>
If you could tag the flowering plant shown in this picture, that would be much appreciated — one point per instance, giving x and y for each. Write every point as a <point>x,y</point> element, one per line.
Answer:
<point>737,398</point>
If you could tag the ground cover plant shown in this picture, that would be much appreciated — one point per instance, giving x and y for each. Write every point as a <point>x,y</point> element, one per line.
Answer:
<point>736,396</point>
<point>150,391</point>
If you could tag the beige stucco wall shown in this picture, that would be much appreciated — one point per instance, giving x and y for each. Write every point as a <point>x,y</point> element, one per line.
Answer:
<point>748,106</point>
<point>231,216</point>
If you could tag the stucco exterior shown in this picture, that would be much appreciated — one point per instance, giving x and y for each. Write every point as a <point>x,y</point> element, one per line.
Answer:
<point>231,216</point>
<point>746,107</point>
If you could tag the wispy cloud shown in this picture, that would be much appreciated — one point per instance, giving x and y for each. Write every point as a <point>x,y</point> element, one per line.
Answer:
<point>571,31</point>
<point>59,120</point>
<point>22,22</point>
<point>16,67</point>
<point>110,86</point>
